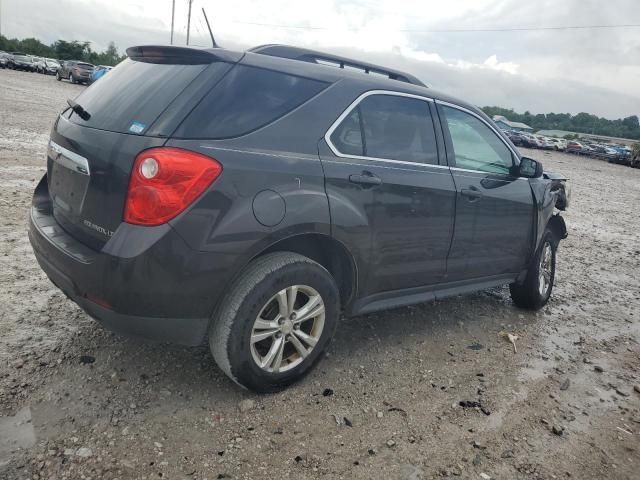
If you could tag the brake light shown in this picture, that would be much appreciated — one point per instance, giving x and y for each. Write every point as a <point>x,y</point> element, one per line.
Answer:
<point>164,182</point>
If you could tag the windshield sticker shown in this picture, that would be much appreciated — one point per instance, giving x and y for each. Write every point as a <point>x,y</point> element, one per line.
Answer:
<point>137,127</point>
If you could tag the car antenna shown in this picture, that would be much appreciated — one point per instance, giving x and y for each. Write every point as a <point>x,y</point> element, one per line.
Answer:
<point>213,40</point>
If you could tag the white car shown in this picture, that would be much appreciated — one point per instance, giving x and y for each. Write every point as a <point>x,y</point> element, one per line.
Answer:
<point>559,144</point>
<point>545,143</point>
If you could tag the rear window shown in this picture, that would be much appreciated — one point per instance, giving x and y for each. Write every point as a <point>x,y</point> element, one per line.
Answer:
<point>134,94</point>
<point>246,99</point>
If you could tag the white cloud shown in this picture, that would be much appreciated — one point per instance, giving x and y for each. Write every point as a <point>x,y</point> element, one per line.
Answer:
<point>509,67</point>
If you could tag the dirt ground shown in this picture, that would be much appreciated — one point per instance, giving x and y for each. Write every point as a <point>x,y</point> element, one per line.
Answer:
<point>79,402</point>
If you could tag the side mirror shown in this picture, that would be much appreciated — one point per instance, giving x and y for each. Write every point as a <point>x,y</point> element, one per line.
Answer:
<point>530,168</point>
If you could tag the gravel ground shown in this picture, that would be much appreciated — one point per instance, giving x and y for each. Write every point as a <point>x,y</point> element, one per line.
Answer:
<point>77,401</point>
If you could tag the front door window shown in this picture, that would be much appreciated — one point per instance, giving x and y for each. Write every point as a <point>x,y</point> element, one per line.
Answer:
<point>475,145</point>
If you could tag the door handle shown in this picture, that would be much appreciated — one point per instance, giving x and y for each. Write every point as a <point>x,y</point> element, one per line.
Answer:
<point>472,193</point>
<point>366,178</point>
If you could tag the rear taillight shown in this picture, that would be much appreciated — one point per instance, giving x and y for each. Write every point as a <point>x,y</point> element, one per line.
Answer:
<point>164,182</point>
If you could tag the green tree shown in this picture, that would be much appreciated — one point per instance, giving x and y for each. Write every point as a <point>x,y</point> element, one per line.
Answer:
<point>74,50</point>
<point>583,122</point>
<point>30,46</point>
<point>63,50</point>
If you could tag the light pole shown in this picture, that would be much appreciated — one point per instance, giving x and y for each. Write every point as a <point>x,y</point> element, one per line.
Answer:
<point>189,20</point>
<point>173,16</point>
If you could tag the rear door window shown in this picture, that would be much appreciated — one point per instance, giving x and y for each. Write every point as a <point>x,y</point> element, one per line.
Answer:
<point>134,94</point>
<point>389,127</point>
<point>246,99</point>
<point>347,138</point>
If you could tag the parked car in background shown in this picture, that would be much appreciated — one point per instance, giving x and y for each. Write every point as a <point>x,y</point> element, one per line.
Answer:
<point>21,61</point>
<point>50,66</point>
<point>536,141</point>
<point>4,59</point>
<point>37,62</point>
<point>599,151</point>
<point>523,139</point>
<point>574,146</point>
<point>587,149</point>
<point>545,143</point>
<point>618,154</point>
<point>248,199</point>
<point>515,137</point>
<point>559,144</point>
<point>75,71</point>
<point>529,140</point>
<point>98,72</point>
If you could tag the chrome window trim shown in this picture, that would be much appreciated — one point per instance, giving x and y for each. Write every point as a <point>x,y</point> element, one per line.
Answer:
<point>354,104</point>
<point>401,167</point>
<point>507,177</point>
<point>69,159</point>
<point>471,112</point>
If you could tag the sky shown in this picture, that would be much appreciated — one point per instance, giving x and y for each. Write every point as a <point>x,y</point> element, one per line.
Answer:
<point>575,70</point>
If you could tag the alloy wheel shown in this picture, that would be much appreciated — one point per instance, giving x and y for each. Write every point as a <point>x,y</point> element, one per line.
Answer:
<point>287,329</point>
<point>545,269</point>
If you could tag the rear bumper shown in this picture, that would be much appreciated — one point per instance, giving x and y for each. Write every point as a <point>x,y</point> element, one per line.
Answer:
<point>185,331</point>
<point>154,287</point>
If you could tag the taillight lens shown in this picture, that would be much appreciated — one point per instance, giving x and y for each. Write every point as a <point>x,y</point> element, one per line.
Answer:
<point>164,182</point>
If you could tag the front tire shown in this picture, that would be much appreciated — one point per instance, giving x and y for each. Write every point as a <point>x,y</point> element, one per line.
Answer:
<point>58,77</point>
<point>274,323</point>
<point>534,292</point>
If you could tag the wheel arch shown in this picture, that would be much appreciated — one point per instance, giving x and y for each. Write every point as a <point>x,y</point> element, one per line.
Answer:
<point>558,227</point>
<point>328,252</point>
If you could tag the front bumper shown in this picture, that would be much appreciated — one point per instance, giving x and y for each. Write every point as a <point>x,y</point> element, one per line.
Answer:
<point>150,285</point>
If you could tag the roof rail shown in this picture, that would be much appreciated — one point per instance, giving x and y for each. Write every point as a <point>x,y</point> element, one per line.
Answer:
<point>313,56</point>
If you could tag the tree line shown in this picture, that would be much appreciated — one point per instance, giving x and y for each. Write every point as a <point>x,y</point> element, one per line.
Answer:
<point>628,127</point>
<point>63,50</point>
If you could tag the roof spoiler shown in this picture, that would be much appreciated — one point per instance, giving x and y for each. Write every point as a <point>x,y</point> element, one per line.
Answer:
<point>312,56</point>
<point>180,55</point>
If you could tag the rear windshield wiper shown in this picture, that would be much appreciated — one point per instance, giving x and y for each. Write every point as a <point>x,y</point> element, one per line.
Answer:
<point>82,113</point>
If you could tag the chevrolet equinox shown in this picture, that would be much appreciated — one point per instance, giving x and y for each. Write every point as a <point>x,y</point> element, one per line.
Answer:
<point>250,199</point>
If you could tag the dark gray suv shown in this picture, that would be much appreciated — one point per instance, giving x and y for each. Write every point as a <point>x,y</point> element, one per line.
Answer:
<point>248,199</point>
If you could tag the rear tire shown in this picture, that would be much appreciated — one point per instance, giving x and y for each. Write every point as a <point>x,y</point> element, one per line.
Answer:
<point>534,292</point>
<point>58,77</point>
<point>274,323</point>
